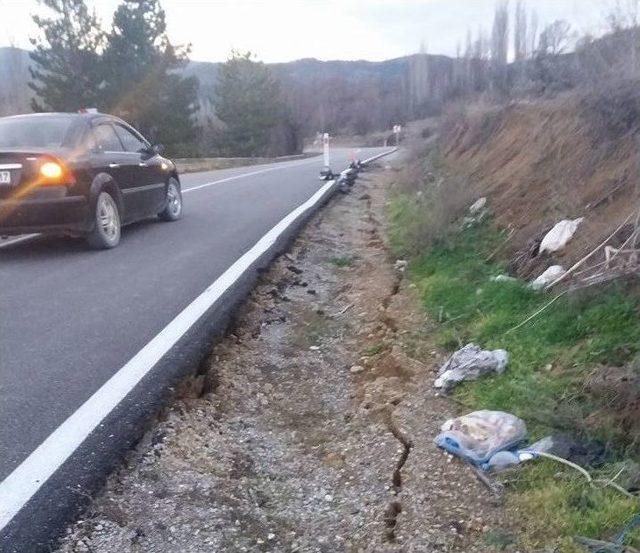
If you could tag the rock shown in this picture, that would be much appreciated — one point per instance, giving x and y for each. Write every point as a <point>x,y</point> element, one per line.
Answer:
<point>356,369</point>
<point>552,274</point>
<point>470,363</point>
<point>558,237</point>
<point>294,269</point>
<point>478,206</point>
<point>503,278</point>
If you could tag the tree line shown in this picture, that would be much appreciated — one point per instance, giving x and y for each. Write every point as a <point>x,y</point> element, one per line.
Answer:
<point>520,58</point>
<point>132,70</point>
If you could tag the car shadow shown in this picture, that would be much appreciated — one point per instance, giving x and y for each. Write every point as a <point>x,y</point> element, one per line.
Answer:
<point>53,246</point>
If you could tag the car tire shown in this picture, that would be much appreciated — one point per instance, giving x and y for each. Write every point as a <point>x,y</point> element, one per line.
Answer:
<point>173,203</point>
<point>107,225</point>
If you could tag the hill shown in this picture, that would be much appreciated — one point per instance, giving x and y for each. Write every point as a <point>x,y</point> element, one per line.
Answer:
<point>357,96</point>
<point>14,76</point>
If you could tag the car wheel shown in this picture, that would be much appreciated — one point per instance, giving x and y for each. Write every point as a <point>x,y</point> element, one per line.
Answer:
<point>173,206</point>
<point>106,231</point>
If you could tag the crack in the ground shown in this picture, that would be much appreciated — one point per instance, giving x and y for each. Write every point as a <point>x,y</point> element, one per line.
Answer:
<point>395,507</point>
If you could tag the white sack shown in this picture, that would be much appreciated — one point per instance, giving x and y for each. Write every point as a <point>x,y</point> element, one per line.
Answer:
<point>478,206</point>
<point>552,274</point>
<point>558,237</point>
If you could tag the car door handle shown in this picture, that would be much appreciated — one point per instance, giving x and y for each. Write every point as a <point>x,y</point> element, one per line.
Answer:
<point>143,164</point>
<point>114,165</point>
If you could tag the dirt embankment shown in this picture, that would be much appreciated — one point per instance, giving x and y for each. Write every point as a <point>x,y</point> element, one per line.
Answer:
<point>544,161</point>
<point>311,428</point>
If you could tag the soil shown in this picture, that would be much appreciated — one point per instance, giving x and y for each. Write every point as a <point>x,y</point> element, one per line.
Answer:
<point>544,161</point>
<point>312,427</point>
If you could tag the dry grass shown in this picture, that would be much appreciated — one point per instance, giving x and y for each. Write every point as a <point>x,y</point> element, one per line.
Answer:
<point>549,160</point>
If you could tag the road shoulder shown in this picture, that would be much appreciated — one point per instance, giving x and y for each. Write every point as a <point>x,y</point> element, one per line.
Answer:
<point>311,426</point>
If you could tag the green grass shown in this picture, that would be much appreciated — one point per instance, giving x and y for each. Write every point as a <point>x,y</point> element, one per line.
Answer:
<point>344,261</point>
<point>374,350</point>
<point>574,334</point>
<point>549,359</point>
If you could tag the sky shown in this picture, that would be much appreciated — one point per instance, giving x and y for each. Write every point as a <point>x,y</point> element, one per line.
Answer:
<point>284,30</point>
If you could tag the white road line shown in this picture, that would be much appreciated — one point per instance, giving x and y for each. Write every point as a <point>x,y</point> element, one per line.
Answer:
<point>276,168</point>
<point>20,486</point>
<point>13,241</point>
<point>26,479</point>
<point>253,173</point>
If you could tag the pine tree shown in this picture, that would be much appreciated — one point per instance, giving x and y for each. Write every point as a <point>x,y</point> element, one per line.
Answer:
<point>142,85</point>
<point>248,102</point>
<point>67,74</point>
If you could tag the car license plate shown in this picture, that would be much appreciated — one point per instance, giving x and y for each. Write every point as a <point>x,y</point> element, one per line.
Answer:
<point>5,177</point>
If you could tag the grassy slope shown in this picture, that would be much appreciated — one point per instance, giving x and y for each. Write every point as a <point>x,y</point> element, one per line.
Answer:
<point>549,359</point>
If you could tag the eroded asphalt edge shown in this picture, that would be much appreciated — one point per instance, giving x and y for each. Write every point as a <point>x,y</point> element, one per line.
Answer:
<point>281,444</point>
<point>35,525</point>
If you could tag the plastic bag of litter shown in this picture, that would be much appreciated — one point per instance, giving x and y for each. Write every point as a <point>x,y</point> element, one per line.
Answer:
<point>558,237</point>
<point>470,363</point>
<point>478,436</point>
<point>552,274</point>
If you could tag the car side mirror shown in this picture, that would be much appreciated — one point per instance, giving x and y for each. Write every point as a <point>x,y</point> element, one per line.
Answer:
<point>158,149</point>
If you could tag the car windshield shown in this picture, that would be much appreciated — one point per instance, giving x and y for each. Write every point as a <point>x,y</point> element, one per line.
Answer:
<point>33,132</point>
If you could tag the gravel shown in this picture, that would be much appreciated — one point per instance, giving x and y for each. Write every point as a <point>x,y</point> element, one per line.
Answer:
<point>311,428</point>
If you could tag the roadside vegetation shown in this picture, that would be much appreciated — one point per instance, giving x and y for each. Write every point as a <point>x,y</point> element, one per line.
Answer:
<point>553,358</point>
<point>555,138</point>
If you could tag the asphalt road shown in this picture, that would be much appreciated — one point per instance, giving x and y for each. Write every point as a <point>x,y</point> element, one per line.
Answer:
<point>71,317</point>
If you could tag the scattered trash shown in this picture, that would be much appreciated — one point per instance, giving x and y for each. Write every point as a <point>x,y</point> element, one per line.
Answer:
<point>496,488</point>
<point>478,436</point>
<point>558,237</point>
<point>503,278</point>
<point>401,265</point>
<point>591,454</point>
<point>470,363</point>
<point>504,460</point>
<point>597,546</point>
<point>478,206</point>
<point>616,546</point>
<point>552,274</point>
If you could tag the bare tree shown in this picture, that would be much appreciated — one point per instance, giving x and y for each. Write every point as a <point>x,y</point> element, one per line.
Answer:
<point>625,14</point>
<point>555,38</point>
<point>500,48</point>
<point>520,32</point>
<point>419,81</point>
<point>624,20</point>
<point>533,32</point>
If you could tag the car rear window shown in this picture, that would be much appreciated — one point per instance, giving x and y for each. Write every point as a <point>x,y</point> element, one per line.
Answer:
<point>34,132</point>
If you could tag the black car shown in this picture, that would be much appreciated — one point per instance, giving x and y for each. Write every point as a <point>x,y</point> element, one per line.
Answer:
<point>83,174</point>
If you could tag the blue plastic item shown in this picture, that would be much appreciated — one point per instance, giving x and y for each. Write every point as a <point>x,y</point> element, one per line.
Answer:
<point>478,436</point>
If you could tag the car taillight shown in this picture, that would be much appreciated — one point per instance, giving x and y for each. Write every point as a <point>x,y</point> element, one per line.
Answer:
<point>53,172</point>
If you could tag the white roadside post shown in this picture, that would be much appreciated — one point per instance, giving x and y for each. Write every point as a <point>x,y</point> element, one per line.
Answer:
<point>326,173</point>
<point>325,143</point>
<point>397,129</point>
